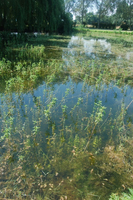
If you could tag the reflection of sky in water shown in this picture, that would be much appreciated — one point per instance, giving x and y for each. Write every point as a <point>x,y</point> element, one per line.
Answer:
<point>98,49</point>
<point>111,96</point>
<point>80,46</point>
<point>129,55</point>
<point>89,45</point>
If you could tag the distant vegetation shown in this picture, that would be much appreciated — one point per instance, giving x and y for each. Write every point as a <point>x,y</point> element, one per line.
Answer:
<point>108,13</point>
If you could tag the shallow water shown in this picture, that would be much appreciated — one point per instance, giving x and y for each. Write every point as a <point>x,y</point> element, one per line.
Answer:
<point>71,109</point>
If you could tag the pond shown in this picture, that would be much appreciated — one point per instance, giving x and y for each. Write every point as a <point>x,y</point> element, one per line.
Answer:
<point>69,134</point>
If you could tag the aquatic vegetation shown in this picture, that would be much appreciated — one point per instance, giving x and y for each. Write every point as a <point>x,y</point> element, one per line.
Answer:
<point>66,124</point>
<point>124,196</point>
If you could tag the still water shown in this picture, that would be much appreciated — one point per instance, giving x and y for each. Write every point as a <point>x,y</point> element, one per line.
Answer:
<point>58,119</point>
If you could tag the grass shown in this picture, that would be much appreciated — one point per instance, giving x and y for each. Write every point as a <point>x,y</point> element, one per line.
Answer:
<point>83,30</point>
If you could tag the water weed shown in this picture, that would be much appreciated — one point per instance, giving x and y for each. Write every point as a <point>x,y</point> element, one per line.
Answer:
<point>124,196</point>
<point>66,124</point>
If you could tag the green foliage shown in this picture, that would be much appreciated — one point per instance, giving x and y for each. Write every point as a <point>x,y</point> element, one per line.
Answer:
<point>31,16</point>
<point>124,196</point>
<point>57,143</point>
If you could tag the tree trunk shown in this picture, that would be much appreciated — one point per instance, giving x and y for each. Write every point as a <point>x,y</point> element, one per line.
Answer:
<point>130,12</point>
<point>99,17</point>
<point>83,12</point>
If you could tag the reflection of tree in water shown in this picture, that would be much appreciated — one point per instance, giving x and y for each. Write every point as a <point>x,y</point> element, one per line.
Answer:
<point>57,141</point>
<point>47,154</point>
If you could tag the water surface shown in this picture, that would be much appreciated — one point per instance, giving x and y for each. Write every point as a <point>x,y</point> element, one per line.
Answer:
<point>57,119</point>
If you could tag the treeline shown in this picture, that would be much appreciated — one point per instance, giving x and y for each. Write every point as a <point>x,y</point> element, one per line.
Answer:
<point>34,15</point>
<point>107,22</point>
<point>107,13</point>
<point>104,25</point>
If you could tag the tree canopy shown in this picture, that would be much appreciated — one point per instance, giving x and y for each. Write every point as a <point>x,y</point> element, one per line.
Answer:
<point>115,11</point>
<point>56,16</point>
<point>34,15</point>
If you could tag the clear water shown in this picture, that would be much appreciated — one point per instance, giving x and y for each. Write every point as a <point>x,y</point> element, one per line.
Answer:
<point>34,106</point>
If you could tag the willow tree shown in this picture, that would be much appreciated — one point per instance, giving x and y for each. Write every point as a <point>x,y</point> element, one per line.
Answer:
<point>3,12</point>
<point>56,18</point>
<point>55,14</point>
<point>32,15</point>
<point>12,14</point>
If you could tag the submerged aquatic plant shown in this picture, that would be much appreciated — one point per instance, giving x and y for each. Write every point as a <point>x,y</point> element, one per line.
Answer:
<point>124,196</point>
<point>57,143</point>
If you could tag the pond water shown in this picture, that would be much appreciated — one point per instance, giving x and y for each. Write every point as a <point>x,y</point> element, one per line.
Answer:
<point>63,133</point>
